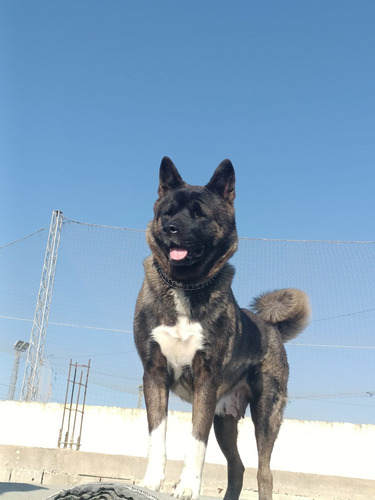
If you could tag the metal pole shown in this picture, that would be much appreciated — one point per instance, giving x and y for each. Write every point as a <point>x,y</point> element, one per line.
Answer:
<point>140,396</point>
<point>83,405</point>
<point>66,399</point>
<point>19,347</point>
<point>70,407</point>
<point>76,410</point>
<point>13,380</point>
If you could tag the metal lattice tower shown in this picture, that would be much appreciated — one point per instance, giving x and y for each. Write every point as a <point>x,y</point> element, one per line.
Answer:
<point>30,385</point>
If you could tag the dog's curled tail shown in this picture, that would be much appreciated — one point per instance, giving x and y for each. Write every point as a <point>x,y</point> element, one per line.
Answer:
<point>288,309</point>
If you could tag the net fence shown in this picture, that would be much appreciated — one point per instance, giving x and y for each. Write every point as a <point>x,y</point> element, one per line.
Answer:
<point>99,272</point>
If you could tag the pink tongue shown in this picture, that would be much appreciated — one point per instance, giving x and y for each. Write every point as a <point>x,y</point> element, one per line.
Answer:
<point>178,253</point>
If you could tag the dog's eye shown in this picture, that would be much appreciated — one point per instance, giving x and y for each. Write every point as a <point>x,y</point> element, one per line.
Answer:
<point>170,211</point>
<point>197,211</point>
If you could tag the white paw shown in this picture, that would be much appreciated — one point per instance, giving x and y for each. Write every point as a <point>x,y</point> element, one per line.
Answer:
<point>152,481</point>
<point>189,486</point>
<point>183,492</point>
<point>187,490</point>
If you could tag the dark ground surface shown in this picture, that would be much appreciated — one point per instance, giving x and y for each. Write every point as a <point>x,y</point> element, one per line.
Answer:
<point>92,491</point>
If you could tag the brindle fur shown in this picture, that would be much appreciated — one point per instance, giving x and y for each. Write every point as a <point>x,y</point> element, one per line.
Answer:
<point>242,349</point>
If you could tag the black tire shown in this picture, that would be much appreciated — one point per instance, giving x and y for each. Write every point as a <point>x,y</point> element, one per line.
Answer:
<point>108,491</point>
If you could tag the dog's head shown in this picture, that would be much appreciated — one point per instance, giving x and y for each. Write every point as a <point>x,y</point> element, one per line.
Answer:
<point>193,233</point>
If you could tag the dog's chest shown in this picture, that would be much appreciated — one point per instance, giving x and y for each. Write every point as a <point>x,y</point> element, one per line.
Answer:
<point>180,342</point>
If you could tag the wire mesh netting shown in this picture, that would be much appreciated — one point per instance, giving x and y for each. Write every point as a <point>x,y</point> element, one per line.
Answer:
<point>99,272</point>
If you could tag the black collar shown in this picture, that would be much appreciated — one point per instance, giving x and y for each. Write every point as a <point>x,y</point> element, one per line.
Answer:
<point>183,286</point>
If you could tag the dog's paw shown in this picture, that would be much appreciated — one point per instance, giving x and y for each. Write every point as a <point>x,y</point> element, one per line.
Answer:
<point>183,493</point>
<point>152,482</point>
<point>187,490</point>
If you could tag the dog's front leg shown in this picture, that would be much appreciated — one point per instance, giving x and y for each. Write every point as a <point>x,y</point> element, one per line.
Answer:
<point>205,383</point>
<point>156,391</point>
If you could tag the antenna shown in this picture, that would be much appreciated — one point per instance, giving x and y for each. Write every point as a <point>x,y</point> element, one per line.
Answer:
<point>30,384</point>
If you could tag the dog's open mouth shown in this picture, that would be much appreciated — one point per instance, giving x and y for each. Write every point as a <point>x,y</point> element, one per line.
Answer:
<point>179,254</point>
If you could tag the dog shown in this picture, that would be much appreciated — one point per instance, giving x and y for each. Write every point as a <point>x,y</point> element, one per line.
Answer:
<point>194,339</point>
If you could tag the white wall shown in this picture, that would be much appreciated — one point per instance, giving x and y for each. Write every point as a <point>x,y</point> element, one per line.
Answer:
<point>312,447</point>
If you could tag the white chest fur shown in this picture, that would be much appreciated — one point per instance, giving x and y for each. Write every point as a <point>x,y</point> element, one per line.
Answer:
<point>180,342</point>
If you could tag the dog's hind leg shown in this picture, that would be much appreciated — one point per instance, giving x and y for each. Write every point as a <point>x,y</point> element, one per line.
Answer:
<point>267,415</point>
<point>226,434</point>
<point>156,391</point>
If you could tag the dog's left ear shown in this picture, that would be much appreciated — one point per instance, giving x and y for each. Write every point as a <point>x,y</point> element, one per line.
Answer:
<point>223,181</point>
<point>169,178</point>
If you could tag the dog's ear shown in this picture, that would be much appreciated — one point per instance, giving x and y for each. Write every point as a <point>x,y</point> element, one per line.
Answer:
<point>223,181</point>
<point>169,178</point>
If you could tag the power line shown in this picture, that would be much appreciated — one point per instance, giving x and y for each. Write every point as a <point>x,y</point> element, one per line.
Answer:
<point>343,315</point>
<point>88,327</point>
<point>337,242</point>
<point>367,394</point>
<point>103,226</point>
<point>92,327</point>
<point>52,357</point>
<point>22,239</point>
<point>334,346</point>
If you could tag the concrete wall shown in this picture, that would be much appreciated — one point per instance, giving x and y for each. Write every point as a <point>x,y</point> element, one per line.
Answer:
<point>52,467</point>
<point>333,449</point>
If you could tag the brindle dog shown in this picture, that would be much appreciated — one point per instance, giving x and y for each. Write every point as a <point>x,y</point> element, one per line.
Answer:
<point>194,339</point>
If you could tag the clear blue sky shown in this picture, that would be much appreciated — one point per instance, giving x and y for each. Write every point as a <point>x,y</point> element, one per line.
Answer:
<point>94,93</point>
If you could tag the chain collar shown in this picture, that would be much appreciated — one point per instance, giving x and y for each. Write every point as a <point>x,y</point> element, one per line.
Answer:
<point>182,286</point>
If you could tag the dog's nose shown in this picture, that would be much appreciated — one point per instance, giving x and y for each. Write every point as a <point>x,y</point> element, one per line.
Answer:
<point>171,228</point>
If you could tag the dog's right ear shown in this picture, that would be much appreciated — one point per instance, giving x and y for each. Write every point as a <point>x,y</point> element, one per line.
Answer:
<point>169,178</point>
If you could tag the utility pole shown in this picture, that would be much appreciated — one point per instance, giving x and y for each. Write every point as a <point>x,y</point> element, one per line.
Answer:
<point>34,360</point>
<point>140,397</point>
<point>19,347</point>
